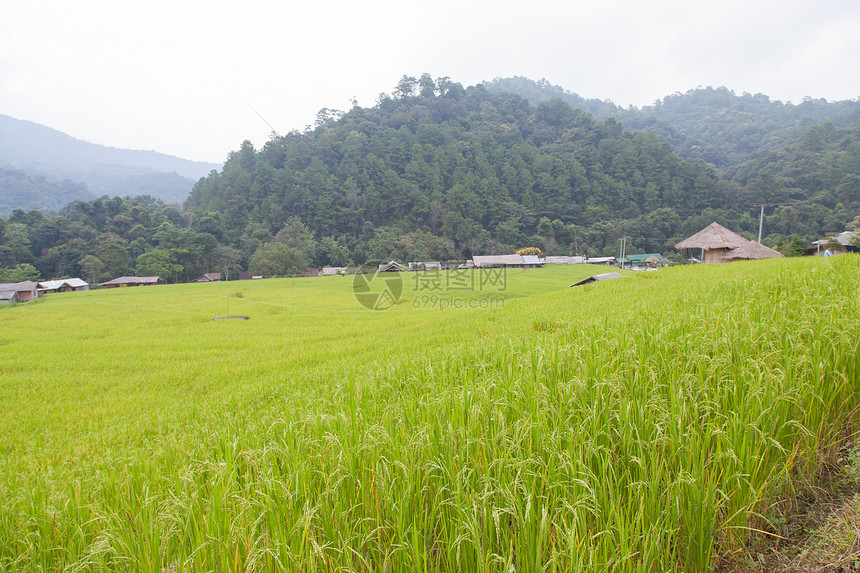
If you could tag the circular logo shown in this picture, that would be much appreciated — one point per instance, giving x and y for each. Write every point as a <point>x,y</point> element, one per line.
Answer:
<point>377,291</point>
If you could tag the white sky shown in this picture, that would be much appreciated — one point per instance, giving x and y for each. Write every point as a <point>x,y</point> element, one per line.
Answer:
<point>181,77</point>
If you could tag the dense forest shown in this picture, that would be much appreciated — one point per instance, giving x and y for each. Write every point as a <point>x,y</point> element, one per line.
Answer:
<point>438,171</point>
<point>713,124</point>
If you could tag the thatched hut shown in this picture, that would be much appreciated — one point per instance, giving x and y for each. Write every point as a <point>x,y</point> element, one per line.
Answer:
<point>719,245</point>
<point>714,241</point>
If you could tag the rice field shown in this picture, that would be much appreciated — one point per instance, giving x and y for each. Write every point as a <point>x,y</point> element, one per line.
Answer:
<point>660,422</point>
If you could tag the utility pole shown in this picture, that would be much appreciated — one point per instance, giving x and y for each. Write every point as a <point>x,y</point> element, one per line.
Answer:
<point>761,217</point>
<point>623,249</point>
<point>760,223</point>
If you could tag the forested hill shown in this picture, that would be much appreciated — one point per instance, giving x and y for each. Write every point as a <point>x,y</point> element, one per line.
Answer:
<point>474,171</point>
<point>436,171</point>
<point>713,124</point>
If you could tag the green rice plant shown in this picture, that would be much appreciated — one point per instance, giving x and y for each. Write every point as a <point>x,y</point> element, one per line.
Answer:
<point>633,425</point>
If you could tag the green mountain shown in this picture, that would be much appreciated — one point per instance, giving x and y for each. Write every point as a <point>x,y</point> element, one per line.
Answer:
<point>436,171</point>
<point>713,124</point>
<point>47,159</point>
<point>479,171</point>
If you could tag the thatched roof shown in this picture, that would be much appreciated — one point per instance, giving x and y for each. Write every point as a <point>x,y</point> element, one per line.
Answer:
<point>752,251</point>
<point>714,236</point>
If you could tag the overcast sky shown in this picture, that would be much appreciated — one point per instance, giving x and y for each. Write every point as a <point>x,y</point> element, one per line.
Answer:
<point>184,77</point>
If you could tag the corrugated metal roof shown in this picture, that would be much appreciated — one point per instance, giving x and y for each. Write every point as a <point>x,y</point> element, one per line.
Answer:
<point>497,260</point>
<point>599,260</point>
<point>600,277</point>
<point>58,283</point>
<point>9,291</point>
<point>18,287</point>
<point>844,238</point>
<point>563,260</point>
<point>130,280</point>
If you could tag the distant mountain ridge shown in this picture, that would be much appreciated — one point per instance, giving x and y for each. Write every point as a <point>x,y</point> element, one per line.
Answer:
<point>46,157</point>
<point>713,124</point>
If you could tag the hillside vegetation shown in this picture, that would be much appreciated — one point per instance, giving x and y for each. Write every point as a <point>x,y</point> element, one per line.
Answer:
<point>436,171</point>
<point>713,124</point>
<point>661,422</point>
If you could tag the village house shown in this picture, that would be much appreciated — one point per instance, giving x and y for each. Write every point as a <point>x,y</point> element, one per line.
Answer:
<point>19,292</point>
<point>556,260</point>
<point>650,260</point>
<point>390,267</point>
<point>208,278</point>
<point>506,261</point>
<point>843,242</point>
<point>63,285</point>
<point>130,281</point>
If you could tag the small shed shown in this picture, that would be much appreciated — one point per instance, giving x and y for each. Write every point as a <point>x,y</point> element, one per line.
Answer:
<point>333,271</point>
<point>845,239</point>
<point>19,292</point>
<point>714,241</point>
<point>208,278</point>
<point>600,277</point>
<point>63,285</point>
<point>390,267</point>
<point>653,259</point>
<point>130,281</point>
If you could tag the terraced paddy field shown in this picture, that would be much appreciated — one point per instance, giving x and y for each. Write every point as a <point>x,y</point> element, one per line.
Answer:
<point>659,422</point>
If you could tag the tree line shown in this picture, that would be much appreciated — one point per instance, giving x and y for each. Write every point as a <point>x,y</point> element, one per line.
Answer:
<point>436,171</point>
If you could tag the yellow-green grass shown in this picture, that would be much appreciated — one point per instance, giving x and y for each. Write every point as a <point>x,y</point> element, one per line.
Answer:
<point>642,424</point>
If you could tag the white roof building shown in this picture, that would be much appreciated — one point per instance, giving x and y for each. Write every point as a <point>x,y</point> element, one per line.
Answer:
<point>63,285</point>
